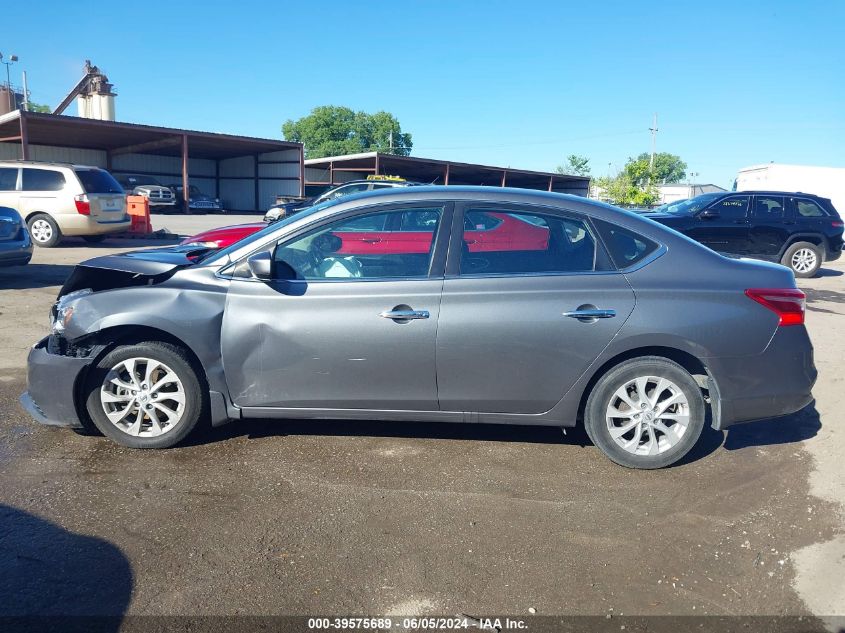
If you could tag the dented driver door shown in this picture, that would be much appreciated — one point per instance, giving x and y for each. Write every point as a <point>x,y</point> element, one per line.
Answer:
<point>325,341</point>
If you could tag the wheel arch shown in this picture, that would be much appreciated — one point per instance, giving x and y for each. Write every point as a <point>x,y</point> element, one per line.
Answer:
<point>697,369</point>
<point>104,341</point>
<point>818,239</point>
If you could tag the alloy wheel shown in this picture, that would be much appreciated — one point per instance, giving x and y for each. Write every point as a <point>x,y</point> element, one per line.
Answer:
<point>648,415</point>
<point>143,397</point>
<point>804,260</point>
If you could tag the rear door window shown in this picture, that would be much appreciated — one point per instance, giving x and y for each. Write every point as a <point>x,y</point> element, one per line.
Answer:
<point>8,178</point>
<point>98,181</point>
<point>731,208</point>
<point>503,242</point>
<point>768,207</point>
<point>42,180</point>
<point>808,209</point>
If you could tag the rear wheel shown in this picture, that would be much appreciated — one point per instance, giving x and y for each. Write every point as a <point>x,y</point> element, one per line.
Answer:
<point>645,413</point>
<point>145,395</point>
<point>803,258</point>
<point>44,230</point>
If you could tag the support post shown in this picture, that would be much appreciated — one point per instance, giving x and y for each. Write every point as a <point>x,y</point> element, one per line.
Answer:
<point>301,173</point>
<point>24,138</point>
<point>257,205</point>
<point>376,170</point>
<point>186,192</point>
<point>504,177</point>
<point>217,178</point>
<point>446,178</point>
<point>331,173</point>
<point>551,182</point>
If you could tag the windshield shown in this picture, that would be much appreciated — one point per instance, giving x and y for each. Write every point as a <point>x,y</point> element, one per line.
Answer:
<point>257,237</point>
<point>688,207</point>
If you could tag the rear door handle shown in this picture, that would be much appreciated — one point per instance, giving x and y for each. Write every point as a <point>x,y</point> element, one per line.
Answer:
<point>404,315</point>
<point>590,314</point>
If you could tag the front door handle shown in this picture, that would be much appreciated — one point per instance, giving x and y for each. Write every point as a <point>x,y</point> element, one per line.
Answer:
<point>404,315</point>
<point>590,314</point>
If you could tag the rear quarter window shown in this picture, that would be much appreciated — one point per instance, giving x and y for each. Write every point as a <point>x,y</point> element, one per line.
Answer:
<point>626,247</point>
<point>98,181</point>
<point>808,208</point>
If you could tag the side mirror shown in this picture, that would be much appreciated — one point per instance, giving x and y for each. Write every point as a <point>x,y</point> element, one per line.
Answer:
<point>709,214</point>
<point>261,265</point>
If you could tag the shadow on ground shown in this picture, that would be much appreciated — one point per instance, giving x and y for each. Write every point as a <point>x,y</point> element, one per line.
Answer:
<point>790,429</point>
<point>49,572</point>
<point>34,276</point>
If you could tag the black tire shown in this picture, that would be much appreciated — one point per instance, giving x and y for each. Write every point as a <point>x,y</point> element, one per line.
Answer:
<point>177,361</point>
<point>603,395</point>
<point>46,233</point>
<point>799,266</point>
<point>94,239</point>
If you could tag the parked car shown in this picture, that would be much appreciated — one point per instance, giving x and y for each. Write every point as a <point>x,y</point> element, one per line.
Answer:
<point>798,230</point>
<point>278,211</point>
<point>198,201</point>
<point>485,231</point>
<point>224,236</point>
<point>60,199</point>
<point>613,321</point>
<point>161,198</point>
<point>15,243</point>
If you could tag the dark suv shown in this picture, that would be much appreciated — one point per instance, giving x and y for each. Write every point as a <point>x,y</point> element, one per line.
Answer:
<point>799,230</point>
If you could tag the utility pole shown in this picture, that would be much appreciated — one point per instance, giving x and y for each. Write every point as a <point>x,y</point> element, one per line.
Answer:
<point>653,130</point>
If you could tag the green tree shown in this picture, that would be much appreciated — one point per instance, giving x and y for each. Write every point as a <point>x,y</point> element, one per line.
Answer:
<point>37,107</point>
<point>668,169</point>
<point>575,165</point>
<point>337,130</point>
<point>622,190</point>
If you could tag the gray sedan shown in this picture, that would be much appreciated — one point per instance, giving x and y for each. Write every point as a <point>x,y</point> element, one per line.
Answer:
<point>455,304</point>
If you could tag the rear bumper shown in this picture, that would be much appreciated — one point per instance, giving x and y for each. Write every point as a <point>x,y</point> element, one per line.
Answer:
<point>86,225</point>
<point>50,397</point>
<point>775,383</point>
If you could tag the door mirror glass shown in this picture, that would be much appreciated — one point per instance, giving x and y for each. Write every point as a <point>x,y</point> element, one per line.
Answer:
<point>261,265</point>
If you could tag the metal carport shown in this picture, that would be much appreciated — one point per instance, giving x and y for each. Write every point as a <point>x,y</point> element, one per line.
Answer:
<point>246,172</point>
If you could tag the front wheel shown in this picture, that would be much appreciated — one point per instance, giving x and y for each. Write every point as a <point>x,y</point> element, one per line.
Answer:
<point>803,258</point>
<point>145,395</point>
<point>645,413</point>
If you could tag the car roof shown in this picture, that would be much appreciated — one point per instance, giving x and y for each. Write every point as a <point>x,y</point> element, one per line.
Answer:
<point>761,192</point>
<point>41,163</point>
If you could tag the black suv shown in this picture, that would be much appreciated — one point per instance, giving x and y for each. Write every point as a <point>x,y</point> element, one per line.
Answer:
<point>799,230</point>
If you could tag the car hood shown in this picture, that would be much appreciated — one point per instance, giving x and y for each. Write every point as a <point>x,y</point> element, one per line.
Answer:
<point>136,268</point>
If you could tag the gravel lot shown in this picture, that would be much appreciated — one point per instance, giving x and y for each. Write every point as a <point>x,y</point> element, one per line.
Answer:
<point>276,517</point>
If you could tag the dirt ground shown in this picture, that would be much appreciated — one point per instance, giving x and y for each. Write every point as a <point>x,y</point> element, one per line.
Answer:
<point>284,517</point>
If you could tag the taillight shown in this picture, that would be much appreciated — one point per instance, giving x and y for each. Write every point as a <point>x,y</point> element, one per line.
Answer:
<point>837,224</point>
<point>83,205</point>
<point>787,303</point>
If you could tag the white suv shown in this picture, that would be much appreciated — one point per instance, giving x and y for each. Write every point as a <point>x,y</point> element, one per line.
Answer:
<point>57,199</point>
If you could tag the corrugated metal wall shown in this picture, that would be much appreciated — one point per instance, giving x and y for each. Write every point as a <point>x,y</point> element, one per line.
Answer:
<point>278,175</point>
<point>49,154</point>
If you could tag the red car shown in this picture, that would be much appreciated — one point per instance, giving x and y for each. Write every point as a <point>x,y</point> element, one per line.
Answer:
<point>485,231</point>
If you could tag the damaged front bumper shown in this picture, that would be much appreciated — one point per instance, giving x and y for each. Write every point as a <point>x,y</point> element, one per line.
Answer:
<point>53,375</point>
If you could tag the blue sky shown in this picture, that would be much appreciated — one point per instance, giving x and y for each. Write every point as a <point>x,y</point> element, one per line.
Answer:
<point>505,83</point>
